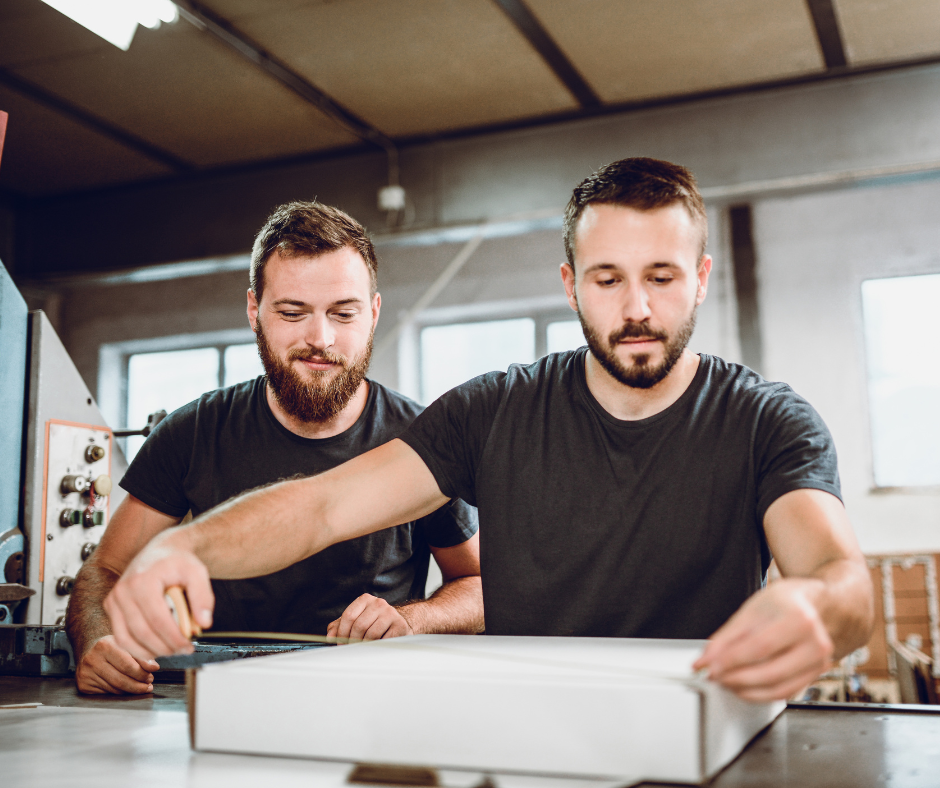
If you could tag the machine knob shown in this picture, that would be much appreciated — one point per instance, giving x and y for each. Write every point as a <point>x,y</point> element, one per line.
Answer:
<point>103,485</point>
<point>70,517</point>
<point>14,569</point>
<point>64,585</point>
<point>87,549</point>
<point>92,518</point>
<point>74,483</point>
<point>94,453</point>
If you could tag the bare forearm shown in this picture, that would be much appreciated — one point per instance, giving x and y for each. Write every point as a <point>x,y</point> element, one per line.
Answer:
<point>845,601</point>
<point>86,621</point>
<point>271,528</point>
<point>456,608</point>
<point>256,533</point>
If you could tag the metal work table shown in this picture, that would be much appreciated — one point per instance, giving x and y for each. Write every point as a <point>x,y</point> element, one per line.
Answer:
<point>104,741</point>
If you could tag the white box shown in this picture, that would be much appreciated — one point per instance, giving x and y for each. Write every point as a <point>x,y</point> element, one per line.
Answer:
<point>590,707</point>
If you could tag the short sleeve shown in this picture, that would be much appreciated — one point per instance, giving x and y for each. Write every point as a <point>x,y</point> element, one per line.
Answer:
<point>793,450</point>
<point>451,525</point>
<point>451,433</point>
<point>157,474</point>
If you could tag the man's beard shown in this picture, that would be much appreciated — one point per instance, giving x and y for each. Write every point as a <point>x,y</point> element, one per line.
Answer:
<point>318,398</point>
<point>641,375</point>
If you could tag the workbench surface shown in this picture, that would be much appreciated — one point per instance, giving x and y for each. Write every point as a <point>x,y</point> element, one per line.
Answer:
<point>104,741</point>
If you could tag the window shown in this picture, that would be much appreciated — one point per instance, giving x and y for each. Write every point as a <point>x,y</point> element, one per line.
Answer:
<point>902,338</point>
<point>450,353</point>
<point>455,353</point>
<point>564,335</point>
<point>168,379</point>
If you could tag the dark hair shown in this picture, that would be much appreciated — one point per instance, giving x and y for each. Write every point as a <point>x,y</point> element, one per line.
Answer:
<point>308,228</point>
<point>641,184</point>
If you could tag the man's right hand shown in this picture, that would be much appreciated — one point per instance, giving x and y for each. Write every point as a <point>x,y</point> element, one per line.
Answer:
<point>140,617</point>
<point>107,669</point>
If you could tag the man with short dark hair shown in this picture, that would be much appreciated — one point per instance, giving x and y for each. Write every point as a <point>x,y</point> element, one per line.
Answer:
<point>313,306</point>
<point>630,489</point>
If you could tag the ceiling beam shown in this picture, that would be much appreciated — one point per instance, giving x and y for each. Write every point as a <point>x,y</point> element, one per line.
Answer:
<point>220,28</point>
<point>545,45</point>
<point>85,118</point>
<point>828,33</point>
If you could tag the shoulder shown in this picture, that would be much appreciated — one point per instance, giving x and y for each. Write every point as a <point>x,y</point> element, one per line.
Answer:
<point>213,406</point>
<point>741,383</point>
<point>389,406</point>
<point>774,407</point>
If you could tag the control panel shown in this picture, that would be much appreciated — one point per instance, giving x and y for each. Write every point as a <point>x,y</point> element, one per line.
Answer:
<point>76,504</point>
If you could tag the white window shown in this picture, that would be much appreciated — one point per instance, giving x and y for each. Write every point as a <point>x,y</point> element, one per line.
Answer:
<point>563,335</point>
<point>902,338</point>
<point>451,352</point>
<point>140,377</point>
<point>455,353</point>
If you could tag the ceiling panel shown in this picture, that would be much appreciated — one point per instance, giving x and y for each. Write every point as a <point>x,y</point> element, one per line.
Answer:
<point>630,51</point>
<point>883,30</point>
<point>408,66</point>
<point>31,31</point>
<point>185,92</point>
<point>47,153</point>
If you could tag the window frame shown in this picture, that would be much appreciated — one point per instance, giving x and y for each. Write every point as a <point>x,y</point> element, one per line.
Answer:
<point>541,310</point>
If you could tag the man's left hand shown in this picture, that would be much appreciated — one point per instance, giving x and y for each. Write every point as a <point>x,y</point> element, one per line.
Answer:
<point>369,618</point>
<point>775,645</point>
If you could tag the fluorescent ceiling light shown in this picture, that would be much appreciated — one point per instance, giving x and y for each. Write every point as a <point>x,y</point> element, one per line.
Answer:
<point>116,20</point>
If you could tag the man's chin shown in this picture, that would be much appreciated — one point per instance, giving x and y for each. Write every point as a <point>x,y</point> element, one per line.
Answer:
<point>638,362</point>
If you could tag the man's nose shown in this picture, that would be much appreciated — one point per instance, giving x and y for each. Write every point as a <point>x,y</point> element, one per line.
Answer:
<point>320,333</point>
<point>636,306</point>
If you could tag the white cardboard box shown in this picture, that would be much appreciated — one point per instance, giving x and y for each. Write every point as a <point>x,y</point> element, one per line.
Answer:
<point>592,707</point>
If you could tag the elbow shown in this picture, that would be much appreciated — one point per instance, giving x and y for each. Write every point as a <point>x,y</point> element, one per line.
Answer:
<point>863,609</point>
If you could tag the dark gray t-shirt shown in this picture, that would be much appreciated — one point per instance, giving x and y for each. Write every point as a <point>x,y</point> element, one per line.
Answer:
<point>594,526</point>
<point>228,441</point>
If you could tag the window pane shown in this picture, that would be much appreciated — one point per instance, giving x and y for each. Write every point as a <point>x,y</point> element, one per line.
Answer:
<point>902,338</point>
<point>241,363</point>
<point>564,335</point>
<point>166,381</point>
<point>453,354</point>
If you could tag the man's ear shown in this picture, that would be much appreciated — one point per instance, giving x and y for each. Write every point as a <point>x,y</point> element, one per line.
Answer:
<point>252,310</point>
<point>567,278</point>
<point>704,269</point>
<point>376,308</point>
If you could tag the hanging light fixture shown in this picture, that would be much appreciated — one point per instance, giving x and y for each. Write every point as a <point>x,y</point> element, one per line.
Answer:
<point>116,20</point>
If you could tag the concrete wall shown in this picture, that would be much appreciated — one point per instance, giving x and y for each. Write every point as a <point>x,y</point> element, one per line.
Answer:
<point>813,254</point>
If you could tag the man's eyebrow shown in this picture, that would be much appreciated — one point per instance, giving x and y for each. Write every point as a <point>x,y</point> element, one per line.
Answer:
<point>295,302</point>
<point>614,267</point>
<point>599,267</point>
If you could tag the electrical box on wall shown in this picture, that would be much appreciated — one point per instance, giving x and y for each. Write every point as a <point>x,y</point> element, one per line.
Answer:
<point>71,459</point>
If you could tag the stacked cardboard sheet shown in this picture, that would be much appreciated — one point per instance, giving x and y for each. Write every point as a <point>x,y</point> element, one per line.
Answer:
<point>592,707</point>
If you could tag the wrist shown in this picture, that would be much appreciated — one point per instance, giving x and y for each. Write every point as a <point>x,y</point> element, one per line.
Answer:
<point>413,618</point>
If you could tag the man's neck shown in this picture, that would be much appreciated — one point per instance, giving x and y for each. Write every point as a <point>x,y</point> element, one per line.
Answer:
<point>341,422</point>
<point>632,404</point>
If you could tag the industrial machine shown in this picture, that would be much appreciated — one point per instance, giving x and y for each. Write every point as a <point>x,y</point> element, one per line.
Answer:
<point>57,490</point>
<point>61,465</point>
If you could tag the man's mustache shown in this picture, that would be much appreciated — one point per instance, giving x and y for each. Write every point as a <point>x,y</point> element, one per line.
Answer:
<point>322,356</point>
<point>637,331</point>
